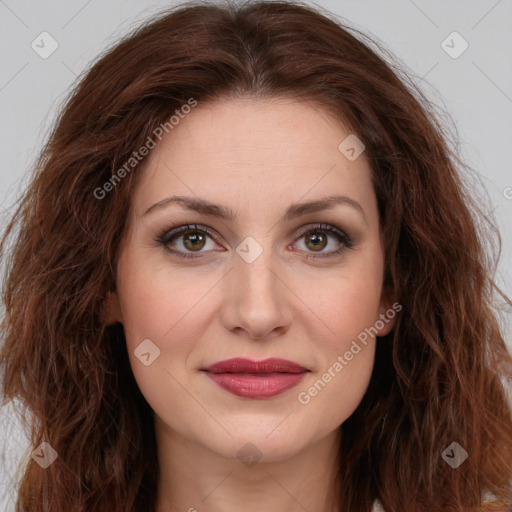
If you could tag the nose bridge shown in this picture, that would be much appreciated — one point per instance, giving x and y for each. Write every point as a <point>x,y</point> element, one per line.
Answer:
<point>255,268</point>
<point>256,302</point>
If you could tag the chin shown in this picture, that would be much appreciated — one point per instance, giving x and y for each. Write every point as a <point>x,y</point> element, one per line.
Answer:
<point>259,446</point>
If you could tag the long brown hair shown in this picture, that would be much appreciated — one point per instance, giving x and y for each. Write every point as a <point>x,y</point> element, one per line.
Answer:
<point>438,376</point>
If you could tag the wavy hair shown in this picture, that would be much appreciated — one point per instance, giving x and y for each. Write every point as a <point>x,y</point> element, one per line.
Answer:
<point>439,376</point>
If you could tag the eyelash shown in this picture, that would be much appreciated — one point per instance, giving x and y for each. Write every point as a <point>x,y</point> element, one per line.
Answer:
<point>168,236</point>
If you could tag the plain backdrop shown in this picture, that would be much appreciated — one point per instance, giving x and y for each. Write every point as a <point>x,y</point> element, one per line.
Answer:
<point>474,88</point>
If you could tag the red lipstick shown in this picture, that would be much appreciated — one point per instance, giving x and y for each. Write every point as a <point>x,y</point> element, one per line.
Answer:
<point>256,379</point>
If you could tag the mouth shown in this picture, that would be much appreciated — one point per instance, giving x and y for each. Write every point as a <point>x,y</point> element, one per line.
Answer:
<point>246,366</point>
<point>256,379</point>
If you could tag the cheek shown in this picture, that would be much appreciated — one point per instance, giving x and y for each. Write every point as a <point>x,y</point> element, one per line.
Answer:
<point>336,391</point>
<point>346,302</point>
<point>165,307</point>
<point>349,309</point>
<point>154,301</point>
<point>158,310</point>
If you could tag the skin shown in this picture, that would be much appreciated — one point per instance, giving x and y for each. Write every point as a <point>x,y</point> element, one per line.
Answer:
<point>255,156</point>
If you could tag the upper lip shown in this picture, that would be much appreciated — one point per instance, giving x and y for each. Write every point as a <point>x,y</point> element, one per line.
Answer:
<point>240,365</point>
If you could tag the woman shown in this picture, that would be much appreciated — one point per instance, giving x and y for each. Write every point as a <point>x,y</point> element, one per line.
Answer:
<point>247,275</point>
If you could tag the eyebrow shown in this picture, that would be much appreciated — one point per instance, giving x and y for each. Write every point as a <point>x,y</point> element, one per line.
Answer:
<point>223,212</point>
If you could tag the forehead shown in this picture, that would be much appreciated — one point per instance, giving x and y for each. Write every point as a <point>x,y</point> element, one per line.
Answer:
<point>261,151</point>
<point>279,128</point>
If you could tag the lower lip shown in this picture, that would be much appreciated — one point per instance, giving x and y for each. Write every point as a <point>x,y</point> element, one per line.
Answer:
<point>258,387</point>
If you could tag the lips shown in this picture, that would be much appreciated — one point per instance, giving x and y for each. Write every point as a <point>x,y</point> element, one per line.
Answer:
<point>256,379</point>
<point>239,365</point>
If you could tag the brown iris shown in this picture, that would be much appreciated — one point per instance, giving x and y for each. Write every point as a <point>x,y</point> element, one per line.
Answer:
<point>318,239</point>
<point>195,239</point>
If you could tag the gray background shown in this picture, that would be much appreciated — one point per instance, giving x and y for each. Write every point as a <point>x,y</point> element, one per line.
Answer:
<point>475,89</point>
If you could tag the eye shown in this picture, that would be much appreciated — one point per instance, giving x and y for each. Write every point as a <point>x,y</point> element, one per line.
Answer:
<point>316,238</point>
<point>194,238</point>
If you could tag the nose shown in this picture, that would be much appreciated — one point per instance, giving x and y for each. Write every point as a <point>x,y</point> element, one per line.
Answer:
<point>257,300</point>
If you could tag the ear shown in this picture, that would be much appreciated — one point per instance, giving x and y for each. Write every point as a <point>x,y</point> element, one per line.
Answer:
<point>112,309</point>
<point>387,314</point>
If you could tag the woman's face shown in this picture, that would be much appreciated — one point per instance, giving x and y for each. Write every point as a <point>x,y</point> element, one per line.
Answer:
<point>258,286</point>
